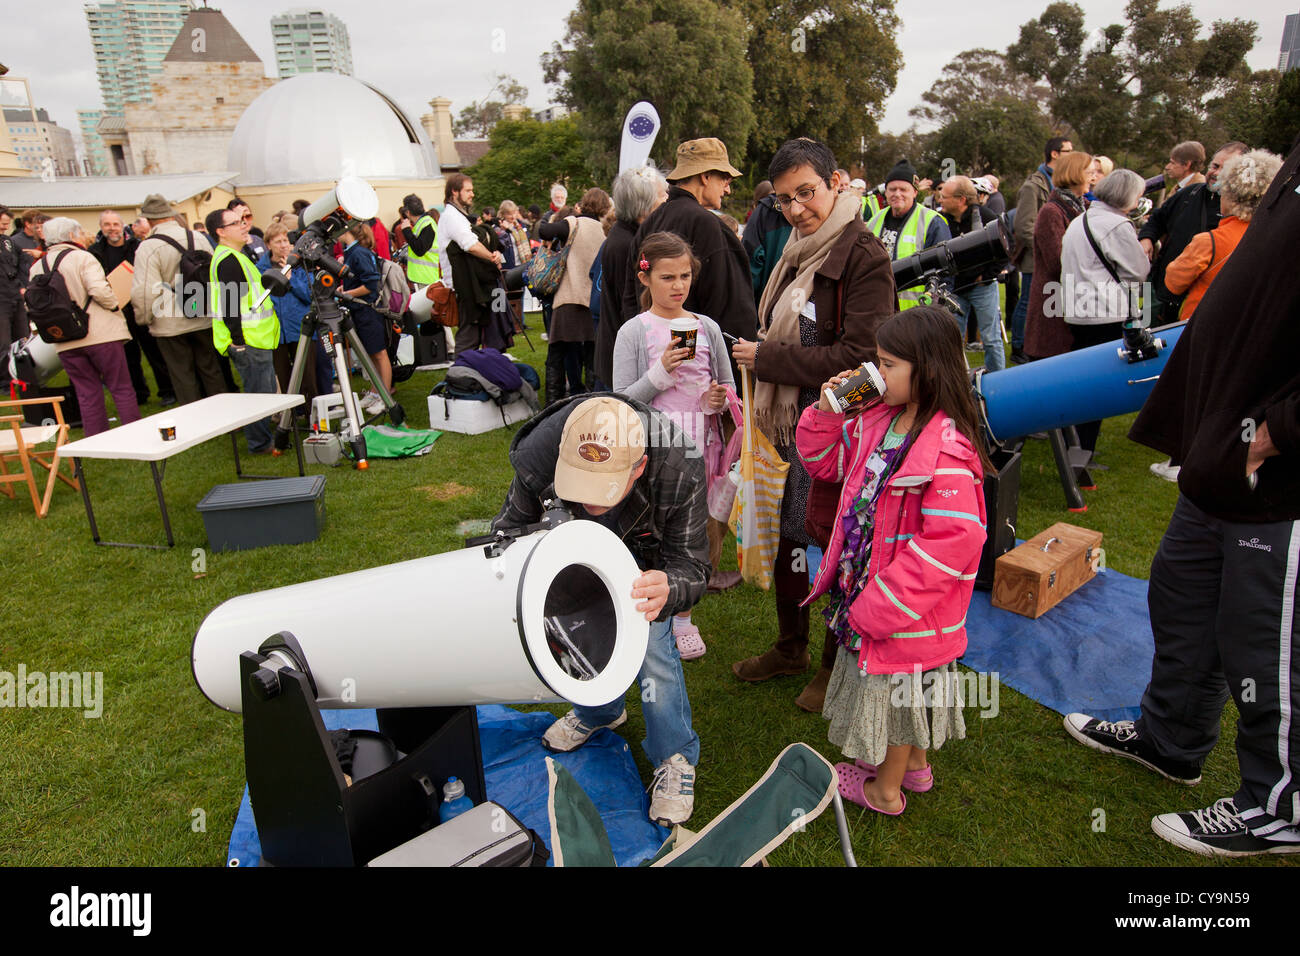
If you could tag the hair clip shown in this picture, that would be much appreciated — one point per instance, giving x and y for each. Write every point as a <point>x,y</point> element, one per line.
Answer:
<point>644,264</point>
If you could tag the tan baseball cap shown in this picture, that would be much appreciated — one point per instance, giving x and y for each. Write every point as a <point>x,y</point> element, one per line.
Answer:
<point>602,444</point>
<point>697,156</point>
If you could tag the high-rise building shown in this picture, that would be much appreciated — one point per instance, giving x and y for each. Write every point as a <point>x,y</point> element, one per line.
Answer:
<point>36,138</point>
<point>1289,58</point>
<point>130,39</point>
<point>310,41</point>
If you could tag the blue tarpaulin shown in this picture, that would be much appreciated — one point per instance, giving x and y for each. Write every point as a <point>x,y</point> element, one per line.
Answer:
<point>515,771</point>
<point>1090,654</point>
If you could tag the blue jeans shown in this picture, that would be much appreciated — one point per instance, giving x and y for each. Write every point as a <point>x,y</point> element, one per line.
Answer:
<point>664,704</point>
<point>1022,310</point>
<point>984,300</point>
<point>256,368</point>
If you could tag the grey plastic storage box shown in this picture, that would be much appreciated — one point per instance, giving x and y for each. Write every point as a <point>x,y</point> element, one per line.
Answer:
<point>253,515</point>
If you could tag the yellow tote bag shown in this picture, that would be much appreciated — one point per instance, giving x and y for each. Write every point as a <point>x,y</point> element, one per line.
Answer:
<point>756,515</point>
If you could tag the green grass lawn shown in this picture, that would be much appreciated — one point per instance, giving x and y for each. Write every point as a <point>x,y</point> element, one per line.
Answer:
<point>126,788</point>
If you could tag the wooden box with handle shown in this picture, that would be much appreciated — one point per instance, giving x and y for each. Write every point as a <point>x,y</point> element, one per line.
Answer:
<point>1035,577</point>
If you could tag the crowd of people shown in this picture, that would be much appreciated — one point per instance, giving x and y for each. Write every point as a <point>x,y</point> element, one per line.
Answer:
<point>665,304</point>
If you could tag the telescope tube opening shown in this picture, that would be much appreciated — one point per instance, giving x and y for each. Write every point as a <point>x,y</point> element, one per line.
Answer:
<point>578,624</point>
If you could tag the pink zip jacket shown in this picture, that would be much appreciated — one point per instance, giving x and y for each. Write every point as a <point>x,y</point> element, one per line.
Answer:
<point>925,548</point>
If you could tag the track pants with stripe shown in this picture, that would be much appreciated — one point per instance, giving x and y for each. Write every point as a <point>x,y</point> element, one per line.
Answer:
<point>1222,598</point>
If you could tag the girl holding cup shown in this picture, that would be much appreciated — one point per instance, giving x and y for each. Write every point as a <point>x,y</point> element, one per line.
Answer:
<point>675,361</point>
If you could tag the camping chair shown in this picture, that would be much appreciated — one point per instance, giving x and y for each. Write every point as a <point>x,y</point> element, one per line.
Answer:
<point>794,791</point>
<point>17,442</point>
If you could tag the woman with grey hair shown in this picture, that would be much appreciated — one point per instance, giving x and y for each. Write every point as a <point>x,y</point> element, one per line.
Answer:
<point>97,361</point>
<point>637,193</point>
<point>1242,183</point>
<point>1103,271</point>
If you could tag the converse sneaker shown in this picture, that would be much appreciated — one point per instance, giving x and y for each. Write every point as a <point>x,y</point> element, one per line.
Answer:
<point>1165,469</point>
<point>1216,831</point>
<point>672,795</point>
<point>570,733</point>
<point>1121,739</point>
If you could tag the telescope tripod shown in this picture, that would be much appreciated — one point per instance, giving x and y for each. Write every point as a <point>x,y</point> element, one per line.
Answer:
<point>336,327</point>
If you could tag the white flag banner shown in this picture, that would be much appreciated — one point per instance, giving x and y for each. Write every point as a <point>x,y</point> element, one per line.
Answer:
<point>640,128</point>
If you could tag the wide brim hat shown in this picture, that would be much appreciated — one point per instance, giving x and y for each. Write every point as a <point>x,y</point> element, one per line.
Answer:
<point>156,206</point>
<point>697,156</point>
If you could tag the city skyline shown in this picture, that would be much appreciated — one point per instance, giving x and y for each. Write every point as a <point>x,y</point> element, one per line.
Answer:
<point>461,61</point>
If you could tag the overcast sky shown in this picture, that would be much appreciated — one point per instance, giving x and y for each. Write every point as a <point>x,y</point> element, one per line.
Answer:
<point>415,50</point>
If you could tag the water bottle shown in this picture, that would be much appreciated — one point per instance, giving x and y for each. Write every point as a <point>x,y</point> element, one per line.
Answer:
<point>454,801</point>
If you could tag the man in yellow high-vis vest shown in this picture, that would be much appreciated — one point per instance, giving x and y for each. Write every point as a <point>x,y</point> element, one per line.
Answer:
<point>422,266</point>
<point>870,198</point>
<point>242,328</point>
<point>905,226</point>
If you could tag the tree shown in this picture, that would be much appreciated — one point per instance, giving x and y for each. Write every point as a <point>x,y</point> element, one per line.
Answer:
<point>822,68</point>
<point>1133,90</point>
<point>687,57</point>
<point>1278,132</point>
<point>990,118</point>
<point>478,119</point>
<point>525,157</point>
<point>1002,135</point>
<point>1244,111</point>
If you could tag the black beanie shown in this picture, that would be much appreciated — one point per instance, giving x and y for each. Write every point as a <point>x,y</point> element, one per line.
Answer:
<point>902,170</point>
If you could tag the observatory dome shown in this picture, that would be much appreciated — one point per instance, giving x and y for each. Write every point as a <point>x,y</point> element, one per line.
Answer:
<point>317,127</point>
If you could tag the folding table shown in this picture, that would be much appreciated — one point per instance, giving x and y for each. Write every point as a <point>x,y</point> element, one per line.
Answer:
<point>195,423</point>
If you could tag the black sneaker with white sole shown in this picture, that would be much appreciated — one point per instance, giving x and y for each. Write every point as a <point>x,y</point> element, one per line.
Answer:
<point>1122,739</point>
<point>1216,831</point>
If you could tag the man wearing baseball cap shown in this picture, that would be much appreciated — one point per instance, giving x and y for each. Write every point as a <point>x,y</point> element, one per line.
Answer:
<point>722,290</point>
<point>627,466</point>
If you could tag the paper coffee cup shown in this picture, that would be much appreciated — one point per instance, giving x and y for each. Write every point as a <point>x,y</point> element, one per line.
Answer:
<point>686,330</point>
<point>865,385</point>
<point>167,429</point>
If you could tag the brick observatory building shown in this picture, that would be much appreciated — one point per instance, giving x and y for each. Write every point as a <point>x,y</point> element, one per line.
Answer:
<point>209,76</point>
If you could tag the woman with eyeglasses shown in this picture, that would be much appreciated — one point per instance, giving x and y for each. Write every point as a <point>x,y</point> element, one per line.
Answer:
<point>826,296</point>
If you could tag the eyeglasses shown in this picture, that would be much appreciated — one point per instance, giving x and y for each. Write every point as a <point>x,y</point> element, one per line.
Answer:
<point>233,222</point>
<point>802,196</point>
<point>247,217</point>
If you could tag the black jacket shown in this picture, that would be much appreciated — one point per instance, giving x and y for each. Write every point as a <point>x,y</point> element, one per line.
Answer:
<point>1235,367</point>
<point>662,520</point>
<point>1180,217</point>
<point>722,291</point>
<point>615,260</point>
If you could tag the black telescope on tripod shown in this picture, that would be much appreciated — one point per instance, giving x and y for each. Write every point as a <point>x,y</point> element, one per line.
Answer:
<point>930,266</point>
<point>324,221</point>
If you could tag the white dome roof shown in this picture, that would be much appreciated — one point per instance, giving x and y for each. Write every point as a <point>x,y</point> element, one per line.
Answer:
<point>318,127</point>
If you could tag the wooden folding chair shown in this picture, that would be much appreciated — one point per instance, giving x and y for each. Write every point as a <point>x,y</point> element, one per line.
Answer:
<point>17,446</point>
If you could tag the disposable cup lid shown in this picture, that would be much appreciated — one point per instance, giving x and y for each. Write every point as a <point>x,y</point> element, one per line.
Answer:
<point>684,325</point>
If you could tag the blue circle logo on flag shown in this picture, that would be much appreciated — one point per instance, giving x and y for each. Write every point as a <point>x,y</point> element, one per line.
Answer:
<point>641,126</point>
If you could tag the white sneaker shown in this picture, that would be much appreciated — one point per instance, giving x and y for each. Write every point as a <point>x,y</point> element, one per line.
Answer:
<point>371,403</point>
<point>570,733</point>
<point>1165,469</point>
<point>673,792</point>
<point>545,338</point>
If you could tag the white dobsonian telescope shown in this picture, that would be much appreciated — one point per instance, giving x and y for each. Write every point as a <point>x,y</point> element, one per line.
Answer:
<point>544,615</point>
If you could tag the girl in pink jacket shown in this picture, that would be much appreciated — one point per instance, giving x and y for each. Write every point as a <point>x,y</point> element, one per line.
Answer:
<point>902,557</point>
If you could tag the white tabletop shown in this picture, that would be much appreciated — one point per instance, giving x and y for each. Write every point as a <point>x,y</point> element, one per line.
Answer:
<point>195,423</point>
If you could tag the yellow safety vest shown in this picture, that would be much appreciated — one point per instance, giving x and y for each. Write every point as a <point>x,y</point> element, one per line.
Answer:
<point>911,239</point>
<point>870,205</point>
<point>424,270</point>
<point>261,325</point>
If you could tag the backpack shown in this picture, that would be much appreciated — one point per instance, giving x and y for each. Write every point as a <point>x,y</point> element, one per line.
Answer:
<point>195,271</point>
<point>57,318</point>
<point>495,368</point>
